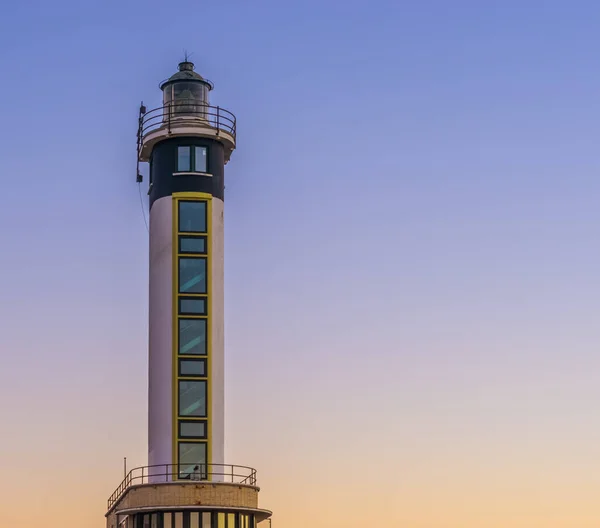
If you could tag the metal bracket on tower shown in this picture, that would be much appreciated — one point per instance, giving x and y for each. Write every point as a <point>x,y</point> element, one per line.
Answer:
<point>139,178</point>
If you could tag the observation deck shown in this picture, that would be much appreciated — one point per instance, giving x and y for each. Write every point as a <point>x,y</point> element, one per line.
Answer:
<point>185,118</point>
<point>166,488</point>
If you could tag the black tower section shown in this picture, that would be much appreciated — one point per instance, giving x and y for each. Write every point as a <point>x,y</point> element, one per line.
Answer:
<point>165,178</point>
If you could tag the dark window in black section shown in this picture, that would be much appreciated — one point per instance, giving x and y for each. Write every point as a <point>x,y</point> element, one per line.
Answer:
<point>192,274</point>
<point>191,159</point>
<point>194,368</point>
<point>192,305</point>
<point>192,217</point>
<point>192,429</point>
<point>192,244</point>
<point>184,159</point>
<point>200,159</point>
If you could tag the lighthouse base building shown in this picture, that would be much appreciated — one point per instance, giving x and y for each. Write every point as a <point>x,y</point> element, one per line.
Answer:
<point>187,483</point>
<point>179,504</point>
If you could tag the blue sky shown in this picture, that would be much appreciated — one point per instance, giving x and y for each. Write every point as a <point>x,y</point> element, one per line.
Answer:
<point>411,245</point>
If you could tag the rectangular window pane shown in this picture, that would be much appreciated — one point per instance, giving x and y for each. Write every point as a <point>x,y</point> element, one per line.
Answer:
<point>167,519</point>
<point>221,523</point>
<point>191,244</point>
<point>206,520</point>
<point>192,398</point>
<point>178,519</point>
<point>189,429</point>
<point>192,217</point>
<point>192,367</point>
<point>192,275</point>
<point>231,520</point>
<point>192,306</point>
<point>194,520</point>
<point>190,456</point>
<point>183,159</point>
<point>200,159</point>
<point>192,336</point>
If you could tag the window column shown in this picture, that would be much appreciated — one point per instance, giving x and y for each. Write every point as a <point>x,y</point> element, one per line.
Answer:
<point>192,323</point>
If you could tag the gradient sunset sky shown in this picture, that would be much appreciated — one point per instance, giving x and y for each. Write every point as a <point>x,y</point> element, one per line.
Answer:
<point>412,255</point>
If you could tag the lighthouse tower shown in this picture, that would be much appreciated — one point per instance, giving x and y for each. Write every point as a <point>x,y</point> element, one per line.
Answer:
<point>187,483</point>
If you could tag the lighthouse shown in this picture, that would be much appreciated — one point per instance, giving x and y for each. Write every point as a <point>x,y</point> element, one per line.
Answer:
<point>187,483</point>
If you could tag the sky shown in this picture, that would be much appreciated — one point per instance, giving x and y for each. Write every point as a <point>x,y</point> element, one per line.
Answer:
<point>412,255</point>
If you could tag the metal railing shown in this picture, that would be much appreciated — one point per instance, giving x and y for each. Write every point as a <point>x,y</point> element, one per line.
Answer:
<point>179,473</point>
<point>185,112</point>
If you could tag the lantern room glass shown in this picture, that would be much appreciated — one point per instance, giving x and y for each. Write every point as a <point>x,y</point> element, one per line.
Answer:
<point>186,99</point>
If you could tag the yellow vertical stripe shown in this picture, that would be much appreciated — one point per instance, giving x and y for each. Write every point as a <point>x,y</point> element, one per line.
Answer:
<point>175,333</point>
<point>175,322</point>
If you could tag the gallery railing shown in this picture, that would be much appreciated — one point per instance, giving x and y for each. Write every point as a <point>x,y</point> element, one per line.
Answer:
<point>179,473</point>
<point>185,110</point>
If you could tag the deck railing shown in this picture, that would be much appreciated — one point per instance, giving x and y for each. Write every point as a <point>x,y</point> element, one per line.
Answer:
<point>185,112</point>
<point>184,473</point>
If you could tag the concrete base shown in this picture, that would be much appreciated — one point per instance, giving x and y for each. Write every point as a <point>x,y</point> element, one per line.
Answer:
<point>189,504</point>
